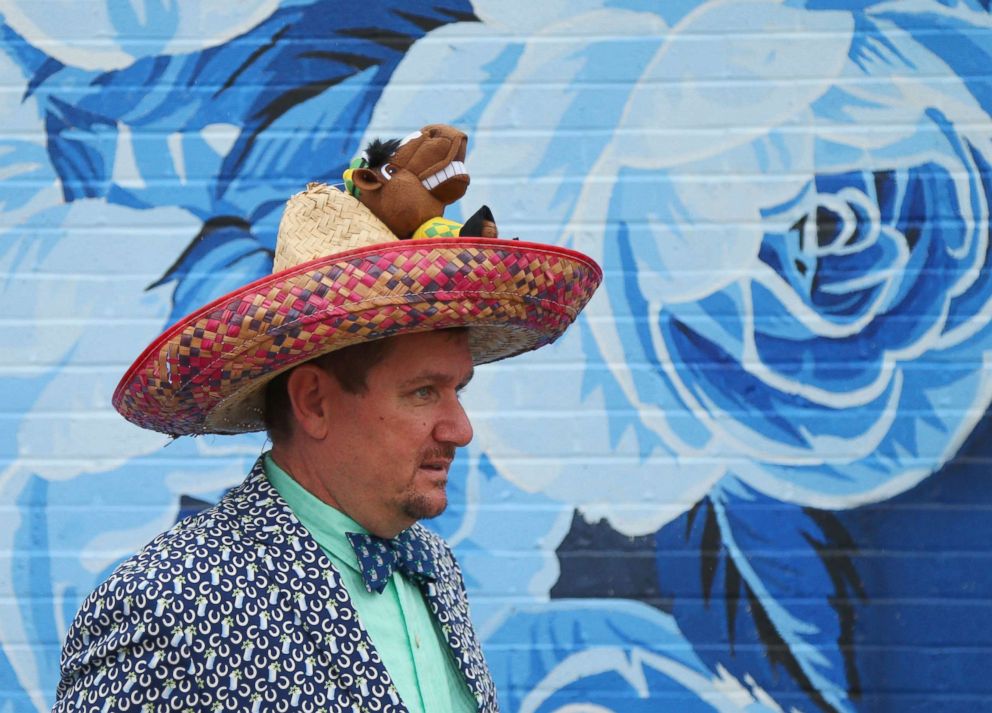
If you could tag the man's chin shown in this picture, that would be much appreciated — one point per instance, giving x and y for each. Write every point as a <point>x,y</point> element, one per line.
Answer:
<point>425,506</point>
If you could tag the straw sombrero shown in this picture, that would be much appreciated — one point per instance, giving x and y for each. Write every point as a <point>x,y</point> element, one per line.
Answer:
<point>340,277</point>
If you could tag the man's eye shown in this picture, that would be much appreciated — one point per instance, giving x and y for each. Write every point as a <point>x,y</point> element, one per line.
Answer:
<point>424,392</point>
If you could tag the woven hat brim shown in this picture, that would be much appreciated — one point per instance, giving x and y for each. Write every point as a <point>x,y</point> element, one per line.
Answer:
<point>204,374</point>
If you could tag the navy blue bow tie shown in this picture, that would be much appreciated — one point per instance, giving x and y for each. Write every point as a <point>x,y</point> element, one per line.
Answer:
<point>378,558</point>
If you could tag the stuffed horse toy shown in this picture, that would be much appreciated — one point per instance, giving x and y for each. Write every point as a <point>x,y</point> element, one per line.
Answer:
<point>406,183</point>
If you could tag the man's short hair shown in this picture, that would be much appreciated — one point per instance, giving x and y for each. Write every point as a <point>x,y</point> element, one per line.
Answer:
<point>350,366</point>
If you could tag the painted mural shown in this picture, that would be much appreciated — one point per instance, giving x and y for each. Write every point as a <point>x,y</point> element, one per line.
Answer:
<point>752,479</point>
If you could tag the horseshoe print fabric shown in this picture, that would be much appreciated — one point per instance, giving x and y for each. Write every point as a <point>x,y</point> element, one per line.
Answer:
<point>238,609</point>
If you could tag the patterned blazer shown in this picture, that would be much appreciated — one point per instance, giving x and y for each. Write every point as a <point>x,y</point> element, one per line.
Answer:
<point>238,609</point>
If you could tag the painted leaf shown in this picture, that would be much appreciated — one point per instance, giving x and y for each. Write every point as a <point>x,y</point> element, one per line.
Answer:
<point>224,256</point>
<point>607,656</point>
<point>772,594</point>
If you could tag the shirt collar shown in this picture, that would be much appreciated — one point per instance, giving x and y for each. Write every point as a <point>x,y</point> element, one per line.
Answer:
<point>326,523</point>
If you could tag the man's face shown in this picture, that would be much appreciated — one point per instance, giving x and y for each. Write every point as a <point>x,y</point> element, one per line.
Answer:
<point>393,444</point>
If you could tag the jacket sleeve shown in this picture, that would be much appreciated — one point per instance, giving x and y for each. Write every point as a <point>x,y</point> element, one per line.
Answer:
<point>128,649</point>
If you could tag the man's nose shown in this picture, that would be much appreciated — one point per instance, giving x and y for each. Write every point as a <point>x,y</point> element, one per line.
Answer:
<point>454,425</point>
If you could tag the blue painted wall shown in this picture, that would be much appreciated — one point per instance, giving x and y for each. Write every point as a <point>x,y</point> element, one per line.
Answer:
<point>753,477</point>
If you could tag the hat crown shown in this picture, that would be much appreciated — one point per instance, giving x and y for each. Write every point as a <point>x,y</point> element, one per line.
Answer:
<point>322,221</point>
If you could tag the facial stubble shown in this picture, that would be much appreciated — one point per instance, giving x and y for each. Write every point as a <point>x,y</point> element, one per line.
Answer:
<point>419,505</point>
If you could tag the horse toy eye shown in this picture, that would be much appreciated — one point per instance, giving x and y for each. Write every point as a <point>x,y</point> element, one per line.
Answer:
<point>388,170</point>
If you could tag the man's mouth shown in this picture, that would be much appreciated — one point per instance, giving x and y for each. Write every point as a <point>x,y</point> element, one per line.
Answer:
<point>453,169</point>
<point>438,459</point>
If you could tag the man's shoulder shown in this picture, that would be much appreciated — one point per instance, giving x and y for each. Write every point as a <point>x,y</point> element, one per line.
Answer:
<point>220,527</point>
<point>213,524</point>
<point>206,582</point>
<point>196,546</point>
<point>190,544</point>
<point>196,565</point>
<point>197,536</point>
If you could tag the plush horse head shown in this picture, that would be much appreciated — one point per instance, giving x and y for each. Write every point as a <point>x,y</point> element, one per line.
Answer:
<point>407,182</point>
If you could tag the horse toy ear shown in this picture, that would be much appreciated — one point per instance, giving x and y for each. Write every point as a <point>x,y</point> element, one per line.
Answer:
<point>481,224</point>
<point>407,183</point>
<point>349,175</point>
<point>364,179</point>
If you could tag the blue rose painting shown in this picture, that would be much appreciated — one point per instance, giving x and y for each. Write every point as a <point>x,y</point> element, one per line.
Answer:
<point>752,478</point>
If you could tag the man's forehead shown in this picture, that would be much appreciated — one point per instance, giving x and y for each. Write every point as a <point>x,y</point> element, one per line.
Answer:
<point>439,355</point>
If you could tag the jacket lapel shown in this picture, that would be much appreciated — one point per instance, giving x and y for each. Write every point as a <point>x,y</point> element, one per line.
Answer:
<point>315,594</point>
<point>449,605</point>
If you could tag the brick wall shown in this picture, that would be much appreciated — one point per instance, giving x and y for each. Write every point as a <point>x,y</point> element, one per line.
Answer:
<point>752,477</point>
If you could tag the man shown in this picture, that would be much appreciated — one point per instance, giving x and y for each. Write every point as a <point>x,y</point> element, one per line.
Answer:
<point>311,586</point>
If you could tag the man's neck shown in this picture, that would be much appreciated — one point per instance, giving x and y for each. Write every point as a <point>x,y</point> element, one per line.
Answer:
<point>314,478</point>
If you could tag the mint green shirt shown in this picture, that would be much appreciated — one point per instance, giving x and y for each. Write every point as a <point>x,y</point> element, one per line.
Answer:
<point>398,621</point>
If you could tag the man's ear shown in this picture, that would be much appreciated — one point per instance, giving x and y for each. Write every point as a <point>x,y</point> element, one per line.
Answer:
<point>308,396</point>
<point>366,179</point>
